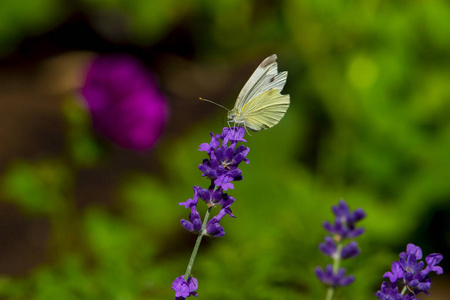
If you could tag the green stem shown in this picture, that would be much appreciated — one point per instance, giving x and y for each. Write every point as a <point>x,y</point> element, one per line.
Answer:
<point>336,264</point>
<point>197,245</point>
<point>337,259</point>
<point>405,288</point>
<point>330,293</point>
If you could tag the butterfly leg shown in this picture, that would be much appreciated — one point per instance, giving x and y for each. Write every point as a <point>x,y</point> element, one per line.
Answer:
<point>247,130</point>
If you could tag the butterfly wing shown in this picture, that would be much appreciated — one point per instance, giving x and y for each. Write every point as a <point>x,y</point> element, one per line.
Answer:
<point>264,78</point>
<point>265,110</point>
<point>267,83</point>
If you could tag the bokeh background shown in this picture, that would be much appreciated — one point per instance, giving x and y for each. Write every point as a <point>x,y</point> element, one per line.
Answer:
<point>82,217</point>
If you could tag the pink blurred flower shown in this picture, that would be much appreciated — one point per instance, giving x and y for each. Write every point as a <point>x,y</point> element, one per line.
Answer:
<point>124,101</point>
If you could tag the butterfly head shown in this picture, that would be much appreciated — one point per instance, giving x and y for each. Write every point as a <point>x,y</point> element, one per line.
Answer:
<point>232,114</point>
<point>236,116</point>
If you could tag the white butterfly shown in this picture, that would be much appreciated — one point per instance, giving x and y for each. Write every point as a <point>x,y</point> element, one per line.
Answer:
<point>260,104</point>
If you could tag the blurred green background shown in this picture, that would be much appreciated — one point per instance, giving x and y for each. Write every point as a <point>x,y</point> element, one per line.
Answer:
<point>369,122</point>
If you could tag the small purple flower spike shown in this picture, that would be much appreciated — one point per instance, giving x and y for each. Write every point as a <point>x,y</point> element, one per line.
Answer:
<point>222,168</point>
<point>334,247</point>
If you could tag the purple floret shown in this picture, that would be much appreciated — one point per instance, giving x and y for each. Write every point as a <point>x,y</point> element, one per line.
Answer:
<point>344,224</point>
<point>185,289</point>
<point>331,279</point>
<point>221,169</point>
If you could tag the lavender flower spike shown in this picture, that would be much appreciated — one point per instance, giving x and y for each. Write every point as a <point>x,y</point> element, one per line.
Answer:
<point>409,275</point>
<point>221,168</point>
<point>343,228</point>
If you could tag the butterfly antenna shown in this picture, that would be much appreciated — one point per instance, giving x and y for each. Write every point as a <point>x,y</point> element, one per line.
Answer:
<point>210,101</point>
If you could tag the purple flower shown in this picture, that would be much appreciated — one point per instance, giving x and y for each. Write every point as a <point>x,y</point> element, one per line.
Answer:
<point>195,222</point>
<point>210,147</point>
<point>397,272</point>
<point>213,227</point>
<point>389,291</point>
<point>432,261</point>
<point>233,134</point>
<point>211,196</point>
<point>334,247</point>
<point>221,168</point>
<point>350,250</point>
<point>331,279</point>
<point>409,272</point>
<point>185,289</point>
<point>413,251</point>
<point>190,202</point>
<point>344,224</point>
<point>328,247</point>
<point>124,101</point>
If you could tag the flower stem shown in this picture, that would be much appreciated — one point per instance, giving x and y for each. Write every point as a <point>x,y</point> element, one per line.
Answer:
<point>330,293</point>
<point>337,257</point>
<point>405,288</point>
<point>197,245</point>
<point>336,263</point>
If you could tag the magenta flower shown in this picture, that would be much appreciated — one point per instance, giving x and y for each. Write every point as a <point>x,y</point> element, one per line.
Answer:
<point>124,101</point>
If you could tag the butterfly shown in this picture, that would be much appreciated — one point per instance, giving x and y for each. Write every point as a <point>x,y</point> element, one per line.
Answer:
<point>260,104</point>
